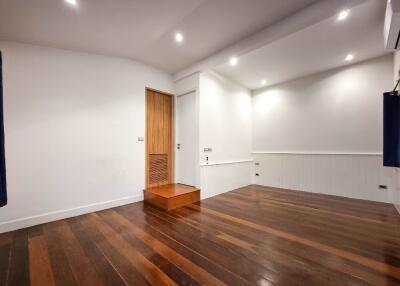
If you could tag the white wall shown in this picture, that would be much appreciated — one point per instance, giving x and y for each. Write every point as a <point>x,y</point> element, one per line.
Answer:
<point>334,111</point>
<point>323,129</point>
<point>187,84</point>
<point>225,126</point>
<point>72,121</point>
<point>225,119</point>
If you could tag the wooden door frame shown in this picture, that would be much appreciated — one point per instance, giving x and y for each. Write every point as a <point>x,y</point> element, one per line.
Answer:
<point>172,171</point>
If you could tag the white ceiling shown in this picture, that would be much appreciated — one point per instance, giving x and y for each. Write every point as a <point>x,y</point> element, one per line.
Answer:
<point>141,29</point>
<point>317,48</point>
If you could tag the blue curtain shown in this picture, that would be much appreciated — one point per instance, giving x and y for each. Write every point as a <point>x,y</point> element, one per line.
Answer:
<point>391,129</point>
<point>3,183</point>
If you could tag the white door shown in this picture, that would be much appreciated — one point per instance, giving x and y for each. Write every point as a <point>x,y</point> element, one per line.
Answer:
<point>186,139</point>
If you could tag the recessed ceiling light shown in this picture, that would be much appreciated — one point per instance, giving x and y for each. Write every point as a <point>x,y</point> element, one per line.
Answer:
<point>71,2</point>
<point>233,61</point>
<point>343,15</point>
<point>349,58</point>
<point>264,82</point>
<point>178,37</point>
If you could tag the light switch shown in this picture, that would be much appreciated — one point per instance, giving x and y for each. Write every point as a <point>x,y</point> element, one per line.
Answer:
<point>140,139</point>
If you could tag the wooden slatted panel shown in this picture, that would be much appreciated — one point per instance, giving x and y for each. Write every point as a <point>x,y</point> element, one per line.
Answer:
<point>158,169</point>
<point>159,135</point>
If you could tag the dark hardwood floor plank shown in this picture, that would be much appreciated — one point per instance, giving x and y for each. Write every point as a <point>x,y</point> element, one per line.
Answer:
<point>35,231</point>
<point>40,270</point>
<point>373,264</point>
<point>335,235</point>
<point>148,251</point>
<point>152,273</point>
<point>121,265</point>
<point>137,217</point>
<point>198,242</point>
<point>6,241</point>
<point>286,262</point>
<point>285,266</point>
<point>238,198</point>
<point>18,273</point>
<point>180,261</point>
<point>375,210</point>
<point>101,264</point>
<point>253,235</point>
<point>303,261</point>
<point>62,272</point>
<point>291,207</point>
<point>322,230</point>
<point>81,266</point>
<point>201,243</point>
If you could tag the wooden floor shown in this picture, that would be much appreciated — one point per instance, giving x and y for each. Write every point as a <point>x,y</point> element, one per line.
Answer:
<point>250,236</point>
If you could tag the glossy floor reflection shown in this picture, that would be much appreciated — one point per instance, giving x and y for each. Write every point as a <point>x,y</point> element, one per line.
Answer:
<point>250,236</point>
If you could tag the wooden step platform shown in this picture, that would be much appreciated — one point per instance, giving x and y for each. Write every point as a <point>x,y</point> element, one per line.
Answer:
<point>168,197</point>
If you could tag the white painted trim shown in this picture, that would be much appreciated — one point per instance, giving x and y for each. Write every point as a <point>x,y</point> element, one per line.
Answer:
<point>225,162</point>
<point>321,153</point>
<point>62,214</point>
<point>397,208</point>
<point>186,92</point>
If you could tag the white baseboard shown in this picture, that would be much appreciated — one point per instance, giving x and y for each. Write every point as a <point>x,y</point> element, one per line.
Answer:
<point>397,208</point>
<point>225,162</point>
<point>62,214</point>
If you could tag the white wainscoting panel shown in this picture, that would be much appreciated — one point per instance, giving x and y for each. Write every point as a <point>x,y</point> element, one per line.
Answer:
<point>348,175</point>
<point>221,177</point>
